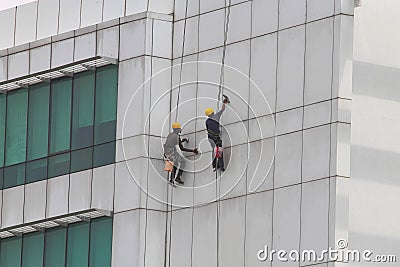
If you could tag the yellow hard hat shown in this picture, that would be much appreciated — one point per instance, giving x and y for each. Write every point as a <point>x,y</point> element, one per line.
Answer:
<point>209,111</point>
<point>176,125</point>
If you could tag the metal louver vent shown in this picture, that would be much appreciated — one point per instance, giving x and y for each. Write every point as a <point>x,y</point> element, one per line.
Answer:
<point>47,76</point>
<point>64,220</point>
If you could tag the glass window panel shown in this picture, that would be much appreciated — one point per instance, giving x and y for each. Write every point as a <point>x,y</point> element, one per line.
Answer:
<point>78,245</point>
<point>14,175</point>
<point>106,104</point>
<point>38,121</point>
<point>17,107</point>
<point>100,242</point>
<point>36,170</point>
<point>81,159</point>
<point>1,177</point>
<point>2,126</point>
<point>32,250</point>
<point>83,110</point>
<point>104,154</point>
<point>11,252</point>
<point>55,247</point>
<point>59,165</point>
<point>61,91</point>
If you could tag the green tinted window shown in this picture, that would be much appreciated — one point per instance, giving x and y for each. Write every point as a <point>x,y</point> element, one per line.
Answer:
<point>61,91</point>
<point>103,154</point>
<point>1,177</point>
<point>32,251</point>
<point>17,107</point>
<point>55,247</point>
<point>10,255</point>
<point>83,110</point>
<point>40,126</point>
<point>36,170</point>
<point>106,104</point>
<point>14,175</point>
<point>38,123</point>
<point>78,245</point>
<point>100,242</point>
<point>81,159</point>
<point>2,126</point>
<point>59,165</point>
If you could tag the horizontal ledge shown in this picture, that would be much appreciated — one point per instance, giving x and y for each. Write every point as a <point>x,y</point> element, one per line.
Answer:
<point>58,72</point>
<point>62,220</point>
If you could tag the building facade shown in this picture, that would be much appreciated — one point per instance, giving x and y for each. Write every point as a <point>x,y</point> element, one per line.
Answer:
<point>90,89</point>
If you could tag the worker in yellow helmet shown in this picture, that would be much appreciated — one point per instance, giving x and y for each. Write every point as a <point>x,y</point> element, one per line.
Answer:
<point>214,135</point>
<point>173,148</point>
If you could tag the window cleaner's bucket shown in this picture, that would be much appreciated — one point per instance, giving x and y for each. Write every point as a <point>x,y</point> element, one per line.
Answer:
<point>218,151</point>
<point>169,166</point>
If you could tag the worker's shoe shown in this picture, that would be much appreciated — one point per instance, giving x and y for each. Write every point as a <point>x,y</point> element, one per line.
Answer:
<point>178,180</point>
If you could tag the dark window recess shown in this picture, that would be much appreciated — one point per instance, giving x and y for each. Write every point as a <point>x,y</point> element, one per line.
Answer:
<point>14,175</point>
<point>60,122</point>
<point>106,104</point>
<point>81,159</point>
<point>59,165</point>
<point>83,110</point>
<point>1,178</point>
<point>36,170</point>
<point>3,106</point>
<point>104,154</point>
<point>38,121</point>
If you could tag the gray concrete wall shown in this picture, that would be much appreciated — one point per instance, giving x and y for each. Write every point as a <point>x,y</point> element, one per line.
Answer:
<point>375,146</point>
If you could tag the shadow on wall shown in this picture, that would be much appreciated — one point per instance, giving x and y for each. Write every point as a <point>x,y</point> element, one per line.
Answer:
<point>375,157</point>
<point>376,81</point>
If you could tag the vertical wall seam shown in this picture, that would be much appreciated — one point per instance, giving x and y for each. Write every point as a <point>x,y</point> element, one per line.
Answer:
<point>197,102</point>
<point>248,134</point>
<point>302,126</point>
<point>275,133</point>
<point>330,125</point>
<point>80,14</point>
<point>15,25</point>
<point>58,16</point>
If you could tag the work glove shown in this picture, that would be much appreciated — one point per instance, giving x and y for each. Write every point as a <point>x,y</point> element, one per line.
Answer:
<point>195,151</point>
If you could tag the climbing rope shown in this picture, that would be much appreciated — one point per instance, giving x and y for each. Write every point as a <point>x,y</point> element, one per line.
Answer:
<point>220,89</point>
<point>181,65</point>
<point>176,119</point>
<point>222,73</point>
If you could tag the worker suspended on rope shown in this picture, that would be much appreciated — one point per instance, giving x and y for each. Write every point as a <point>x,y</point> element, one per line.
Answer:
<point>173,155</point>
<point>214,135</point>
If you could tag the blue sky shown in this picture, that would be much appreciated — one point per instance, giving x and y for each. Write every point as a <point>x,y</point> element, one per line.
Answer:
<point>4,4</point>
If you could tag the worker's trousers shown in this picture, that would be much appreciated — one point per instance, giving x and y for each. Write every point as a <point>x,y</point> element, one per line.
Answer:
<point>216,162</point>
<point>179,164</point>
